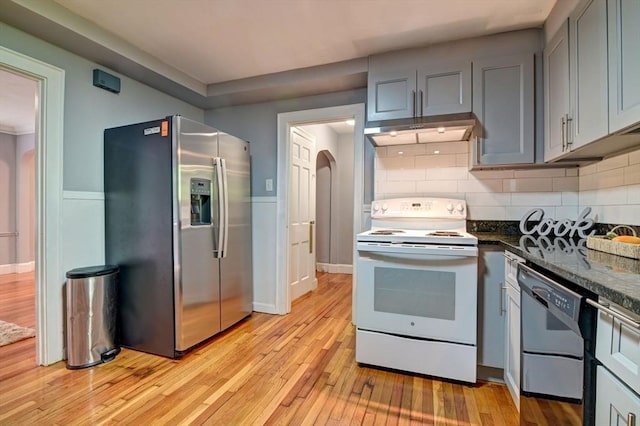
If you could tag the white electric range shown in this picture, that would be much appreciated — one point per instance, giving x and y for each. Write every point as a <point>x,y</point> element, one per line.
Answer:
<point>416,288</point>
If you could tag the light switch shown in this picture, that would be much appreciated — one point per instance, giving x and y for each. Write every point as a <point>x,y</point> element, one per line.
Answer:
<point>268,183</point>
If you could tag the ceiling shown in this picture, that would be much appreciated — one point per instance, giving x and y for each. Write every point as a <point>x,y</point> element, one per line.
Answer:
<point>215,53</point>
<point>215,41</point>
<point>17,104</point>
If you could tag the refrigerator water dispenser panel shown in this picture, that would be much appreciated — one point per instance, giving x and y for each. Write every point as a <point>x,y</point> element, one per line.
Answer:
<point>200,202</point>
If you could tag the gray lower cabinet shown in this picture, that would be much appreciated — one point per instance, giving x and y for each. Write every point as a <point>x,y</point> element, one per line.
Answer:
<point>503,101</point>
<point>491,309</point>
<point>618,378</point>
<point>624,63</point>
<point>512,326</point>
<point>616,404</point>
<point>589,120</point>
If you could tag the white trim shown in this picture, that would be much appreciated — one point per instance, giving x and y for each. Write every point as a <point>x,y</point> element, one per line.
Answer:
<point>265,308</point>
<point>285,122</point>
<point>17,268</point>
<point>13,131</point>
<point>82,195</point>
<point>49,142</point>
<point>334,268</point>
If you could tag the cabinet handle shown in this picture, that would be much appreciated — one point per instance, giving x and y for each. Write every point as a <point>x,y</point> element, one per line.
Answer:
<point>421,103</point>
<point>564,132</point>
<point>625,319</point>
<point>631,419</point>
<point>569,132</point>
<point>415,110</point>
<point>503,289</point>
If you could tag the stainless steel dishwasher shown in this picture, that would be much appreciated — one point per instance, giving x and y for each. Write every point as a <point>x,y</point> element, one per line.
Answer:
<point>558,366</point>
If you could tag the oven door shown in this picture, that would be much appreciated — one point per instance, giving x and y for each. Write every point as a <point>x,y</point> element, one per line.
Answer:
<point>418,290</point>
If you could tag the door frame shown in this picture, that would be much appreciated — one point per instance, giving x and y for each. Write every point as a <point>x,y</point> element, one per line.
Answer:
<point>287,120</point>
<point>49,142</point>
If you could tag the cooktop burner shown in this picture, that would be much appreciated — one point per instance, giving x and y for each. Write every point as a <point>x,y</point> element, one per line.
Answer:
<point>386,232</point>
<point>445,234</point>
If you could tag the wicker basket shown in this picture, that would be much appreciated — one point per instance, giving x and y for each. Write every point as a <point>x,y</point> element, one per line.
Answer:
<point>602,243</point>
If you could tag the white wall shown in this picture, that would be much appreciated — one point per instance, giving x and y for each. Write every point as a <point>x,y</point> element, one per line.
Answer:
<point>612,189</point>
<point>490,194</point>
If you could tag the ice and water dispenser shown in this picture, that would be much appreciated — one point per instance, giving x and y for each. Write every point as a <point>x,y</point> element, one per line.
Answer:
<point>200,202</point>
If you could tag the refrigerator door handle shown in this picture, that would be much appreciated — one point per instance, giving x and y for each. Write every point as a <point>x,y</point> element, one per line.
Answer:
<point>225,219</point>
<point>219,241</point>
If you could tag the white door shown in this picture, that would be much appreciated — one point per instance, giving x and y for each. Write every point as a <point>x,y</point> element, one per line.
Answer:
<point>302,195</point>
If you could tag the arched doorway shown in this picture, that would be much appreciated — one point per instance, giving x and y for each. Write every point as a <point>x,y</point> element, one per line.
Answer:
<point>325,179</point>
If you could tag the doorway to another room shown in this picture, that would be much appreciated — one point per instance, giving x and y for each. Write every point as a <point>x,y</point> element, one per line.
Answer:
<point>319,209</point>
<point>17,209</point>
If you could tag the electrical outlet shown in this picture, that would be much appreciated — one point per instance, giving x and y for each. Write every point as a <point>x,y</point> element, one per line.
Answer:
<point>268,183</point>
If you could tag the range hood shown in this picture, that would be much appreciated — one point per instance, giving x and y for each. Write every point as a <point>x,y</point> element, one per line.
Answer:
<point>436,128</point>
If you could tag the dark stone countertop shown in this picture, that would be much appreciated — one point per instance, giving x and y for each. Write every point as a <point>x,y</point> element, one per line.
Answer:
<point>613,277</point>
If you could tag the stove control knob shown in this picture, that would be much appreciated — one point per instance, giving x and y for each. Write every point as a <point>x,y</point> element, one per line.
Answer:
<point>450,208</point>
<point>385,206</point>
<point>376,207</point>
<point>460,208</point>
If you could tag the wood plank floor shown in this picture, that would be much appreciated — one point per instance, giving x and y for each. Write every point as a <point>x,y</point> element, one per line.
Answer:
<point>296,369</point>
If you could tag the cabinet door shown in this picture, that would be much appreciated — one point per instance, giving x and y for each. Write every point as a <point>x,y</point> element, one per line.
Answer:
<point>615,404</point>
<point>444,88</point>
<point>624,63</point>
<point>590,117</point>
<point>618,345</point>
<point>512,343</point>
<point>391,95</point>
<point>503,101</point>
<point>556,93</point>
<point>491,307</point>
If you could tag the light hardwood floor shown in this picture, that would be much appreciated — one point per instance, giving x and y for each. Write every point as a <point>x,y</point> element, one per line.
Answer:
<point>295,369</point>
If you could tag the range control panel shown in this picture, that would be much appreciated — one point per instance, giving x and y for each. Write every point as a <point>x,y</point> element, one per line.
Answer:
<point>419,208</point>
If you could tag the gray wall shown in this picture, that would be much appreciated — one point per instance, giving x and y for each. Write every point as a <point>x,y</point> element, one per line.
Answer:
<point>26,198</point>
<point>89,110</point>
<point>345,200</point>
<point>323,208</point>
<point>257,123</point>
<point>7,197</point>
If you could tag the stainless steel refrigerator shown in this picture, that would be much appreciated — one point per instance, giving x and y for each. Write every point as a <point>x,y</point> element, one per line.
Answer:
<point>178,223</point>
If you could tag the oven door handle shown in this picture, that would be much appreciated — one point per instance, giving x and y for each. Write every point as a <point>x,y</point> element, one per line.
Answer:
<point>607,309</point>
<point>418,249</point>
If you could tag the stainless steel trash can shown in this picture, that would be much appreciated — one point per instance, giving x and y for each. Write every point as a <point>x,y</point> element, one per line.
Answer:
<point>91,316</point>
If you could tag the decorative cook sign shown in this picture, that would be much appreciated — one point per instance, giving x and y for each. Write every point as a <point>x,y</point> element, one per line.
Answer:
<point>534,222</point>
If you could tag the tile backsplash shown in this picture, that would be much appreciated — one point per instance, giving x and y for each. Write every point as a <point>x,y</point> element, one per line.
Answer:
<point>610,187</point>
<point>442,170</point>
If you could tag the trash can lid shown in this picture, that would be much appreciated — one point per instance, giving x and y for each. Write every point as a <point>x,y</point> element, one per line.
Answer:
<point>92,271</point>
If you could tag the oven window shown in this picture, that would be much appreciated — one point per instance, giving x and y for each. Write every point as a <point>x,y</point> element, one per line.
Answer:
<point>422,293</point>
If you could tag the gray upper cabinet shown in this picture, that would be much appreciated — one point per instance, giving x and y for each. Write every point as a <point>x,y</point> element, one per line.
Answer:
<point>624,63</point>
<point>444,88</point>
<point>556,93</point>
<point>415,89</point>
<point>391,95</point>
<point>589,85</point>
<point>503,102</point>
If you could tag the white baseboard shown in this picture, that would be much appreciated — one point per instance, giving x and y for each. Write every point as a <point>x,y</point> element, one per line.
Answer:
<point>17,268</point>
<point>334,268</point>
<point>265,308</point>
<point>25,267</point>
